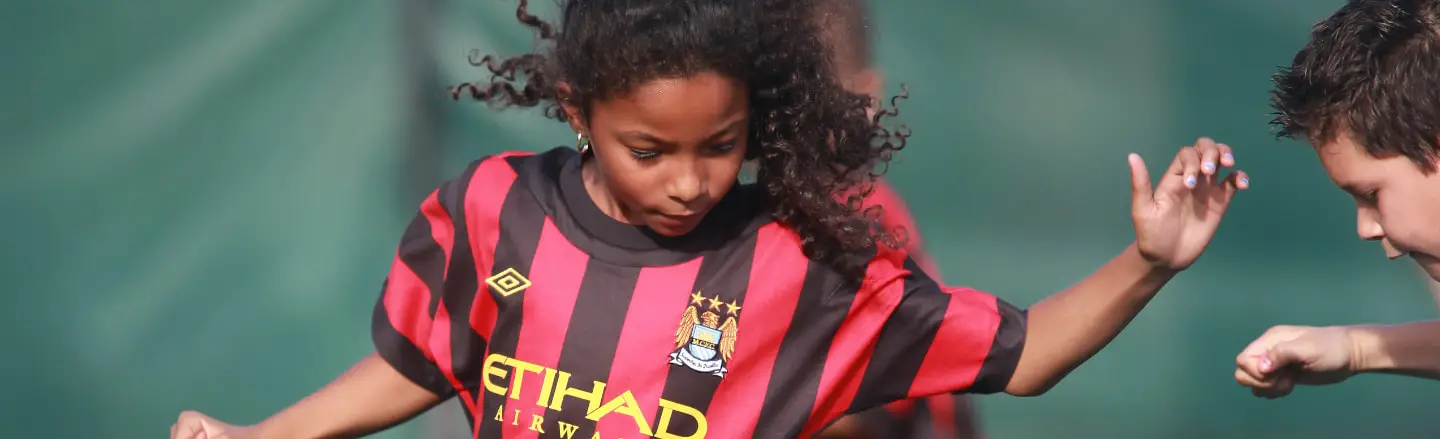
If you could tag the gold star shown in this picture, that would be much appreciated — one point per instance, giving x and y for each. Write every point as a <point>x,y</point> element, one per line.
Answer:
<point>696,298</point>
<point>715,302</point>
<point>734,308</point>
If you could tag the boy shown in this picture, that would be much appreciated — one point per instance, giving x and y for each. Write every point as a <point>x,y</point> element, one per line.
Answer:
<point>1365,92</point>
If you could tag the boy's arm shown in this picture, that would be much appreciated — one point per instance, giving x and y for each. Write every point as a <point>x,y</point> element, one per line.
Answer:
<point>1286,356</point>
<point>1411,349</point>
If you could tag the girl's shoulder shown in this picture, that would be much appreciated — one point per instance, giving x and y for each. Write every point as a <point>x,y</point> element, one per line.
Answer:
<point>520,163</point>
<point>479,192</point>
<point>497,173</point>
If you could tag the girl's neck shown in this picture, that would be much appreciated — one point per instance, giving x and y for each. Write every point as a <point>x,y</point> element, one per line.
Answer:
<point>600,194</point>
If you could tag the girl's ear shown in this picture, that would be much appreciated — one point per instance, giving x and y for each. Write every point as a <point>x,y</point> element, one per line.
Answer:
<point>564,94</point>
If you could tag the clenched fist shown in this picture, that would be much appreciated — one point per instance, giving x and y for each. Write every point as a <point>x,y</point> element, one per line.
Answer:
<point>1288,355</point>
<point>195,425</point>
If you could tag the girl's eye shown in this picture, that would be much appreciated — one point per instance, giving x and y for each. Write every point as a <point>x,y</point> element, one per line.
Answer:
<point>641,154</point>
<point>724,148</point>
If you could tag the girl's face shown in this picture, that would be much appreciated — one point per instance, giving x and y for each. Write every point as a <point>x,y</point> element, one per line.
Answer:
<point>668,151</point>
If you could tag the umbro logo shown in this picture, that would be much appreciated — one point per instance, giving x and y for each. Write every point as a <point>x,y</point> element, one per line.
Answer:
<point>508,282</point>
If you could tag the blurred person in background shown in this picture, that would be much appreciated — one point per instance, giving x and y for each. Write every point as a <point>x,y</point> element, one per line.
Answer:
<point>1365,93</point>
<point>848,31</point>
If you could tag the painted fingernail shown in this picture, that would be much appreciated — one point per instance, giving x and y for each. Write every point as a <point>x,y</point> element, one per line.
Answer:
<point>1228,157</point>
<point>1190,180</point>
<point>1265,364</point>
<point>1244,181</point>
<point>1208,167</point>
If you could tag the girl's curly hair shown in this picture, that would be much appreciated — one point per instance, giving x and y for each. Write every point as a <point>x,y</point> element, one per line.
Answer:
<point>816,147</point>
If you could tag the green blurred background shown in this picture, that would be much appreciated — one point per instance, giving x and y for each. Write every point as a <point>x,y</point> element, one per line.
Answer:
<point>201,199</point>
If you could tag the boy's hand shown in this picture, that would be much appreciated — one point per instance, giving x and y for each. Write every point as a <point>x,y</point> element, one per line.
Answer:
<point>1288,355</point>
<point>1175,221</point>
<point>195,425</point>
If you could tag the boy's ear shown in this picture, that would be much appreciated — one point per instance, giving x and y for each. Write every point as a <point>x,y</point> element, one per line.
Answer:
<point>1437,156</point>
<point>565,95</point>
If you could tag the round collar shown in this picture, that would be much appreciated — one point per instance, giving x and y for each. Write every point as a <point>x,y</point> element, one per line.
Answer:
<point>741,210</point>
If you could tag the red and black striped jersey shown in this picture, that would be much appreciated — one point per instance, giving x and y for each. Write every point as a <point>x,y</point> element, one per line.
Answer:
<point>512,291</point>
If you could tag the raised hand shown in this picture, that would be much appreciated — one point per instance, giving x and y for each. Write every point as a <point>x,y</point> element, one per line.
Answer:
<point>1176,219</point>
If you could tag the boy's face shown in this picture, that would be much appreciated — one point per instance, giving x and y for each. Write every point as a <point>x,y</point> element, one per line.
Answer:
<point>1396,202</point>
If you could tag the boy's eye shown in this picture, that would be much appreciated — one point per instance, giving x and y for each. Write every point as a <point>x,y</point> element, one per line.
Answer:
<point>1366,196</point>
<point>723,148</point>
<point>643,154</point>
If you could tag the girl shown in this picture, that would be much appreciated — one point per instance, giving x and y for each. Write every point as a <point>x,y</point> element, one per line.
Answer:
<point>630,287</point>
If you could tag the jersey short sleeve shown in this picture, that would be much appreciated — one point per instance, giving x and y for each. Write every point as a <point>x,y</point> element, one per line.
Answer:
<point>938,339</point>
<point>422,316</point>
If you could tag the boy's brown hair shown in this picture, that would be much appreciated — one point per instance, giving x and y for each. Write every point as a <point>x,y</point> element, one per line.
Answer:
<point>1370,71</point>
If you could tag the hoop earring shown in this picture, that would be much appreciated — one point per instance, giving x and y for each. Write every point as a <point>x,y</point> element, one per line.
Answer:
<point>582,143</point>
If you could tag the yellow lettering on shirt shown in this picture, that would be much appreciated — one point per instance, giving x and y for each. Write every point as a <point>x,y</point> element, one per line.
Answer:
<point>505,377</point>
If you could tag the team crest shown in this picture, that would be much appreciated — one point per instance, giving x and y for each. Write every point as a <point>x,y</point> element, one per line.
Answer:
<point>704,343</point>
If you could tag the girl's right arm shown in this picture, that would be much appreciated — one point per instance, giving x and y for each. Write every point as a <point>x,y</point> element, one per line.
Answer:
<point>370,397</point>
<point>401,379</point>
